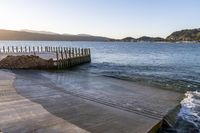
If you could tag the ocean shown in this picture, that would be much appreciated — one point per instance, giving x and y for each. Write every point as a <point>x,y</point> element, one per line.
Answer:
<point>172,66</point>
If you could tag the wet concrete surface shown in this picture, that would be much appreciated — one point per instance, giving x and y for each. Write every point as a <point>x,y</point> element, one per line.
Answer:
<point>89,102</point>
<point>20,115</point>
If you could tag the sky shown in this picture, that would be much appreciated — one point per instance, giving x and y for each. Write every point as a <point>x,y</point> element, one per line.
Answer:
<point>110,18</point>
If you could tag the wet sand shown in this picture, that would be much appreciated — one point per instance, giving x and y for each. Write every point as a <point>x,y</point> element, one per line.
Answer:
<point>94,104</point>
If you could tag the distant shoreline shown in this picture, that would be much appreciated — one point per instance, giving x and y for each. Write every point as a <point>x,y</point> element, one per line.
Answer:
<point>164,42</point>
<point>188,36</point>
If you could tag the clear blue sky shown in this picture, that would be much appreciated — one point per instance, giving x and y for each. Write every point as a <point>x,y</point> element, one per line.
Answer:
<point>111,18</point>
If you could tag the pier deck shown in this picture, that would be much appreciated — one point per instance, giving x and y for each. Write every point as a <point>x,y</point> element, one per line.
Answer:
<point>31,102</point>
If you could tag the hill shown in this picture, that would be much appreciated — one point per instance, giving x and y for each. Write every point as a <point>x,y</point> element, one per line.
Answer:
<point>128,39</point>
<point>30,35</point>
<point>46,36</point>
<point>144,39</point>
<point>150,39</point>
<point>185,35</point>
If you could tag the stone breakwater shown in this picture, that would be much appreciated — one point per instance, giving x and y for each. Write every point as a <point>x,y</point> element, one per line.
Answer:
<point>26,62</point>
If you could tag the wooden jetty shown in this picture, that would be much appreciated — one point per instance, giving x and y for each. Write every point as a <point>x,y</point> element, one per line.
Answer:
<point>63,57</point>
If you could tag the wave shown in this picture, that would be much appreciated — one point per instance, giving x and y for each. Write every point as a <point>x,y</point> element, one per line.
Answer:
<point>190,108</point>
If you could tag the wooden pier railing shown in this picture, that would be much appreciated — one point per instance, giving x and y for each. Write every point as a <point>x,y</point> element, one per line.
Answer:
<point>63,57</point>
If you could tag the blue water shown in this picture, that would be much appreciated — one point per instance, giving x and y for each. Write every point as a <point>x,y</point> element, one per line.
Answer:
<point>173,66</point>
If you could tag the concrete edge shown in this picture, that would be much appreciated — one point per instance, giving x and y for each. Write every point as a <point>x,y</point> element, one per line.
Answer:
<point>168,121</point>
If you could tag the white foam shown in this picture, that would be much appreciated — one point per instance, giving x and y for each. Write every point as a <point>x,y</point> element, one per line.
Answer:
<point>190,108</point>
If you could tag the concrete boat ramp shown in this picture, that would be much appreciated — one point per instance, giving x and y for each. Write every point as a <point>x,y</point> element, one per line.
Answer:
<point>79,103</point>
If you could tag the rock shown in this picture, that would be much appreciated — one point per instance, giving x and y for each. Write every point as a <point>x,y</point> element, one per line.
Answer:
<point>26,62</point>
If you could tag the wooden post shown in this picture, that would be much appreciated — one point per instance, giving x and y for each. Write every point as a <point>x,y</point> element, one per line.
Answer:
<point>13,50</point>
<point>57,60</point>
<point>25,49</point>
<point>85,51</point>
<point>61,55</point>
<point>41,48</point>
<point>62,59</point>
<point>3,49</point>
<point>89,55</point>
<point>8,49</point>
<point>65,54</point>
<point>16,49</point>
<point>79,52</point>
<point>66,61</point>
<point>62,49</point>
<point>38,49</point>
<point>29,49</point>
<point>34,50</point>
<point>76,52</point>
<point>21,49</point>
<point>70,53</point>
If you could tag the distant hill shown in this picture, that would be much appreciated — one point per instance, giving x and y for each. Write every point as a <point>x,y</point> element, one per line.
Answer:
<point>185,35</point>
<point>144,39</point>
<point>150,39</point>
<point>128,39</point>
<point>40,32</point>
<point>46,36</point>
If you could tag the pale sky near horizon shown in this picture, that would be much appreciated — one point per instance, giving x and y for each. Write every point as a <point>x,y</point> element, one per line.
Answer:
<point>110,18</point>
